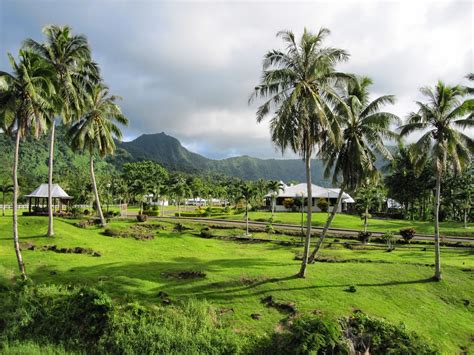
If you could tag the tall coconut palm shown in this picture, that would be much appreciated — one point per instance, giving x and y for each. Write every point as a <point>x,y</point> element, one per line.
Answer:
<point>297,84</point>
<point>69,55</point>
<point>275,187</point>
<point>24,107</point>
<point>441,119</point>
<point>363,128</point>
<point>96,130</point>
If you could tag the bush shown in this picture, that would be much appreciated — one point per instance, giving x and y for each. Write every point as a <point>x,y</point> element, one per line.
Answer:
<point>269,228</point>
<point>389,239</point>
<point>206,233</point>
<point>323,204</point>
<point>86,212</point>
<point>76,318</point>
<point>407,234</point>
<point>381,337</point>
<point>364,237</point>
<point>288,203</point>
<point>151,213</point>
<point>142,217</point>
<point>85,320</point>
<point>308,334</point>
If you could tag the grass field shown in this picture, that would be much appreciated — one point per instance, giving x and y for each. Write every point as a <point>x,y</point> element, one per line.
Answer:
<point>354,222</point>
<point>393,285</point>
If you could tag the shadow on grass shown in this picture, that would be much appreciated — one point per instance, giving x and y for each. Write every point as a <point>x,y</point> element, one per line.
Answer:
<point>133,280</point>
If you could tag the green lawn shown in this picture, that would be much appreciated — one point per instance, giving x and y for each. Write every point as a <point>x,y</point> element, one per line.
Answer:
<point>354,222</point>
<point>393,285</point>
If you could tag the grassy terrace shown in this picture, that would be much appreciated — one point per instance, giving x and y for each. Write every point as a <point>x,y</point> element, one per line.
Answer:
<point>393,285</point>
<point>354,222</point>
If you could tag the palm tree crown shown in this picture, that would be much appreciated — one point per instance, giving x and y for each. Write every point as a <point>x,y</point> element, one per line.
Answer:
<point>441,119</point>
<point>297,84</point>
<point>363,127</point>
<point>96,130</point>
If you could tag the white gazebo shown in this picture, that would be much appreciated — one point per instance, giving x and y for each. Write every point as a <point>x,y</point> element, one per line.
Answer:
<point>38,199</point>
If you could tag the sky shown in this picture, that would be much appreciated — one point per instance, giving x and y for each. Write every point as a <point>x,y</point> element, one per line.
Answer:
<point>188,68</point>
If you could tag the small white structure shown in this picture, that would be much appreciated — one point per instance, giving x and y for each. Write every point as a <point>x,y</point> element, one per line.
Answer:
<point>299,191</point>
<point>38,199</point>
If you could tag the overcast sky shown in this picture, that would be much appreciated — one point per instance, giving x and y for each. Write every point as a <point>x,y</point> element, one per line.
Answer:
<point>187,68</point>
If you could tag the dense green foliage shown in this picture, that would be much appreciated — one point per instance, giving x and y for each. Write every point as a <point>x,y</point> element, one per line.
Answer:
<point>84,319</point>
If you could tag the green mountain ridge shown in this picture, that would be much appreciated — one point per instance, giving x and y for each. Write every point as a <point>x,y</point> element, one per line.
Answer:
<point>169,152</point>
<point>159,147</point>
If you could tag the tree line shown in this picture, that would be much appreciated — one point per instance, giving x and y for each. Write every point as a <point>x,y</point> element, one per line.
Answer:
<point>316,110</point>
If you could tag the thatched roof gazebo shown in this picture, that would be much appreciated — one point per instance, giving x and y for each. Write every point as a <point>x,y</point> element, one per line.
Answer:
<point>38,199</point>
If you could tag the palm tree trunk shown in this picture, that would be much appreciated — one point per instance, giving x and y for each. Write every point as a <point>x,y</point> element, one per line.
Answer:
<point>437,275</point>
<point>366,217</point>
<point>3,204</point>
<point>96,193</point>
<point>50,183</point>
<point>307,243</point>
<point>16,243</point>
<point>246,218</point>
<point>326,227</point>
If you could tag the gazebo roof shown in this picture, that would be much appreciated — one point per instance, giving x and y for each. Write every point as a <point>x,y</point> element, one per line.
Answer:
<point>42,192</point>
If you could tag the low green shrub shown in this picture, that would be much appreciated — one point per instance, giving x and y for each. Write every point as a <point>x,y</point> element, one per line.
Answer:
<point>407,234</point>
<point>364,237</point>
<point>309,334</point>
<point>85,320</point>
<point>378,336</point>
<point>142,217</point>
<point>151,213</point>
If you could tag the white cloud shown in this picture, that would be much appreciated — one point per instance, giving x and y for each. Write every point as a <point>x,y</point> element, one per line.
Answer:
<point>187,68</point>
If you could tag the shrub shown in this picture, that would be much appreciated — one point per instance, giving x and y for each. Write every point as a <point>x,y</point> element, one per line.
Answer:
<point>85,320</point>
<point>227,209</point>
<point>142,217</point>
<point>151,213</point>
<point>269,228</point>
<point>86,212</point>
<point>206,232</point>
<point>323,204</point>
<point>381,337</point>
<point>364,237</point>
<point>407,234</point>
<point>389,239</point>
<point>155,208</point>
<point>310,334</point>
<point>288,203</point>
<point>76,318</point>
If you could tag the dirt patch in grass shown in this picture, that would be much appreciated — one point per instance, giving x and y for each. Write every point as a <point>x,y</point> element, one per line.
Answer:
<point>282,306</point>
<point>54,248</point>
<point>137,232</point>
<point>184,275</point>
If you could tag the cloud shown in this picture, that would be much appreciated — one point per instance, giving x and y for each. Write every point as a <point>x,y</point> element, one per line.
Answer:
<point>187,68</point>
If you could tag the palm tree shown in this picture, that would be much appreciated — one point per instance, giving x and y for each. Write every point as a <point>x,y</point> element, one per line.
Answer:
<point>247,192</point>
<point>275,187</point>
<point>442,119</point>
<point>69,55</point>
<point>363,129</point>
<point>297,84</point>
<point>180,189</point>
<point>5,188</point>
<point>24,106</point>
<point>96,130</point>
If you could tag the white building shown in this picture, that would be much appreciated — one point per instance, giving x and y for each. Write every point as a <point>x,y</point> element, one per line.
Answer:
<point>298,192</point>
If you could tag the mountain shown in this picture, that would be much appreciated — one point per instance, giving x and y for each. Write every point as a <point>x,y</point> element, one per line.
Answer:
<point>169,152</point>
<point>158,147</point>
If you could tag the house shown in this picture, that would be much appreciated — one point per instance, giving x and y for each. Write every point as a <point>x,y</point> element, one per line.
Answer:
<point>299,191</point>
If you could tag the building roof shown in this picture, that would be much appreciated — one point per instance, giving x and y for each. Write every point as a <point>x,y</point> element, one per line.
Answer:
<point>42,192</point>
<point>299,190</point>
